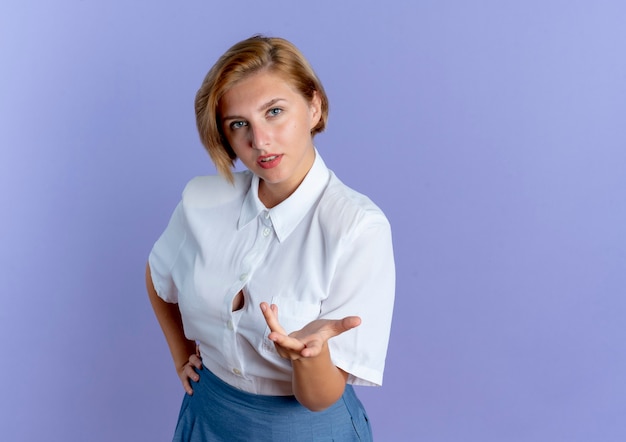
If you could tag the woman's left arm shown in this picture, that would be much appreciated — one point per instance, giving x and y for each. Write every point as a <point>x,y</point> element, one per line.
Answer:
<point>317,382</point>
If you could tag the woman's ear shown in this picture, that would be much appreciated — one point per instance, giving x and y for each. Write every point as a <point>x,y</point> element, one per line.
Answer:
<point>315,109</point>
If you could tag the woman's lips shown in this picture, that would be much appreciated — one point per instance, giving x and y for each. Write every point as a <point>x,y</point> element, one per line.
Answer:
<point>269,161</point>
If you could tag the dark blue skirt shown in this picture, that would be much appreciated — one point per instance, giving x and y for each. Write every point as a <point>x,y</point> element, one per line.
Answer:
<point>218,412</point>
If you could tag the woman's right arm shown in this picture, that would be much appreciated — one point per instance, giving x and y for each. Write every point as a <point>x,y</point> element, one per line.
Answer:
<point>182,349</point>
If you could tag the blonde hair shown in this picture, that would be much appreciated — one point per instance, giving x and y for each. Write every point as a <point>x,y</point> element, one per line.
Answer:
<point>243,59</point>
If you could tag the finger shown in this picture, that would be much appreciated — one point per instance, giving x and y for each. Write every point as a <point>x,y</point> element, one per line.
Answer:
<point>187,387</point>
<point>187,374</point>
<point>190,373</point>
<point>350,322</point>
<point>270,313</point>
<point>287,342</point>
<point>335,327</point>
<point>195,361</point>
<point>338,326</point>
<point>312,349</point>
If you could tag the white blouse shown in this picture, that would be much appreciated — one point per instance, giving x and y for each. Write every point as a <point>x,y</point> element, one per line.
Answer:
<point>324,252</point>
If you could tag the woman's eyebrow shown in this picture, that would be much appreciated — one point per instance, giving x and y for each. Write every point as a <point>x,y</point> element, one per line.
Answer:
<point>270,103</point>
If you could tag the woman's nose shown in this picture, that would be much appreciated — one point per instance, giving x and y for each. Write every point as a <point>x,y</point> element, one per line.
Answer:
<point>260,137</point>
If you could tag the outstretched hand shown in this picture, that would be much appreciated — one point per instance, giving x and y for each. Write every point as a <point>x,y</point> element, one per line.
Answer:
<point>309,341</point>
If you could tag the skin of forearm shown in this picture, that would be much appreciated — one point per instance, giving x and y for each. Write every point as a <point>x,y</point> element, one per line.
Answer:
<point>317,382</point>
<point>171,324</point>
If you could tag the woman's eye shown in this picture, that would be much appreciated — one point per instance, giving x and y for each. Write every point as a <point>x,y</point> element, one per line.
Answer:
<point>274,111</point>
<point>237,124</point>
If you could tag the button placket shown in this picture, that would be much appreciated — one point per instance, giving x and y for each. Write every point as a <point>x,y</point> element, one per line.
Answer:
<point>267,225</point>
<point>248,266</point>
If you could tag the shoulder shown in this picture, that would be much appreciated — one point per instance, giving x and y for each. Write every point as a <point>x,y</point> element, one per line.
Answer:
<point>346,211</point>
<point>214,190</point>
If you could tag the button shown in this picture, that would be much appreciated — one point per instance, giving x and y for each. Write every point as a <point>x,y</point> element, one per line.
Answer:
<point>267,215</point>
<point>243,277</point>
<point>229,324</point>
<point>266,231</point>
<point>237,371</point>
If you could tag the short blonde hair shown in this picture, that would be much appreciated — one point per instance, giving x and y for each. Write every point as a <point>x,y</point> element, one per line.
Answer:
<point>243,59</point>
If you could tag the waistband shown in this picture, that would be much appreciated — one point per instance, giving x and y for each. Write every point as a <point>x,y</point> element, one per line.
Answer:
<point>244,399</point>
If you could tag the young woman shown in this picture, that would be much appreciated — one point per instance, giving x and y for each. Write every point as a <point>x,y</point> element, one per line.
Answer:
<point>274,287</point>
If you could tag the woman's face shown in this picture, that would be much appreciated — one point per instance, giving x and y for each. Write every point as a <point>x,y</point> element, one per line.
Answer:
<point>268,124</point>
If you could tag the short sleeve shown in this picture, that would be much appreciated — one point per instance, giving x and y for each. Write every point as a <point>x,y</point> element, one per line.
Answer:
<point>363,285</point>
<point>165,253</point>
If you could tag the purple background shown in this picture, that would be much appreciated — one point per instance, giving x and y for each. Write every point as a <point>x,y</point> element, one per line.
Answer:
<point>492,133</point>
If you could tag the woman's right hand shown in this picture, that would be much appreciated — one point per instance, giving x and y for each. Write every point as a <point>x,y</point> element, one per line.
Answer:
<point>187,371</point>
